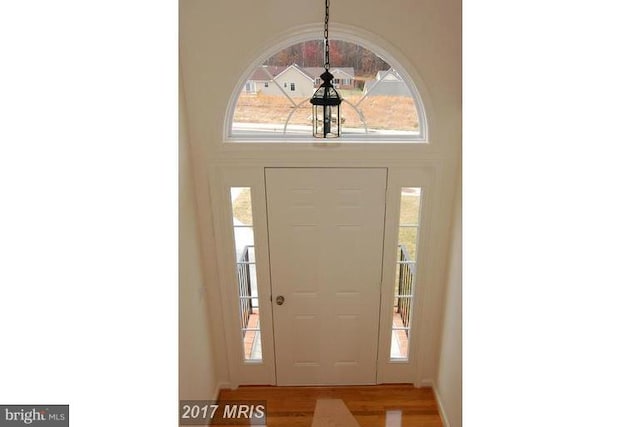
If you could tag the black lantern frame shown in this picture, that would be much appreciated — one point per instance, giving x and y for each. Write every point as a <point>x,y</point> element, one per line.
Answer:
<point>327,122</point>
<point>326,101</point>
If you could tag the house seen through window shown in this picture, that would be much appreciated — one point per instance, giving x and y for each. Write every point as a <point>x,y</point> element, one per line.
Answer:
<point>378,102</point>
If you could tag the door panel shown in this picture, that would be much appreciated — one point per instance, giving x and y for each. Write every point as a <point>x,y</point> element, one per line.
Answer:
<point>326,230</point>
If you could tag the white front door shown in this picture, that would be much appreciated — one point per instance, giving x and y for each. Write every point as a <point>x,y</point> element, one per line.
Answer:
<point>326,228</point>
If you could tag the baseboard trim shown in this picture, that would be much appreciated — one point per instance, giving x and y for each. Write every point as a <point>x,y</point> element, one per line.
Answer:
<point>443,414</point>
<point>426,383</point>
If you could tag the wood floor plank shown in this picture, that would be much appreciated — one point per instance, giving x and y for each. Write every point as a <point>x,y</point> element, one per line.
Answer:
<point>331,413</point>
<point>372,406</point>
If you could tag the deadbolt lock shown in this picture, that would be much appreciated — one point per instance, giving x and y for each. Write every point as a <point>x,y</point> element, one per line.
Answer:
<point>279,300</point>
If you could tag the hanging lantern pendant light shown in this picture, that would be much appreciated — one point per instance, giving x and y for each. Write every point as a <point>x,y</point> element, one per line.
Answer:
<point>326,100</point>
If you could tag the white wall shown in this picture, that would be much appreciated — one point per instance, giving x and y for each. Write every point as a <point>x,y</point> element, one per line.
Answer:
<point>197,372</point>
<point>219,41</point>
<point>449,378</point>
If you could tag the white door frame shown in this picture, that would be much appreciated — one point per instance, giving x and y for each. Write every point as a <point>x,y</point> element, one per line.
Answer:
<point>328,287</point>
<point>223,177</point>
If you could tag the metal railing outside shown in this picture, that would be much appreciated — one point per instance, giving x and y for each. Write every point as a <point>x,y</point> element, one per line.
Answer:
<point>405,286</point>
<point>244,284</point>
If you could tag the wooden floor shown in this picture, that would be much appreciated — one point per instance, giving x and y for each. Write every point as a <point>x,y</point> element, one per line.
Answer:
<point>372,406</point>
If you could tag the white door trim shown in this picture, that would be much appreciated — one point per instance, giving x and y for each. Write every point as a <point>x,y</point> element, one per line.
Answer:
<point>241,372</point>
<point>223,177</point>
<point>391,371</point>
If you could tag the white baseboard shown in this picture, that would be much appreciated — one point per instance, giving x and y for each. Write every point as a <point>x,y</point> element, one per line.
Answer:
<point>443,414</point>
<point>426,383</point>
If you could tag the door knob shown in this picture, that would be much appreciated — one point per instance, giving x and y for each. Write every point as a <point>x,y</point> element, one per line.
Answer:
<point>279,300</point>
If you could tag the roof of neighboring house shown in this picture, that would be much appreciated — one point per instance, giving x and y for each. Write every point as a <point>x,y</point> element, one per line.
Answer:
<point>317,71</point>
<point>391,84</point>
<point>388,75</point>
<point>300,70</point>
<point>262,73</point>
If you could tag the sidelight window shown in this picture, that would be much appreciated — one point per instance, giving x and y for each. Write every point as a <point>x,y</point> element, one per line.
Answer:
<point>406,261</point>
<point>247,283</point>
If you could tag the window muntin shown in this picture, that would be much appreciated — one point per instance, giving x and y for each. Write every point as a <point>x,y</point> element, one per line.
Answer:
<point>380,102</point>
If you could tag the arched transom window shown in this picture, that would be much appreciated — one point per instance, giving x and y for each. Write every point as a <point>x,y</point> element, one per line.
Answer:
<point>380,102</point>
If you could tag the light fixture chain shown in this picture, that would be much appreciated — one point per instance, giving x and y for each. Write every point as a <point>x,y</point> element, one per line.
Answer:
<point>326,35</point>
